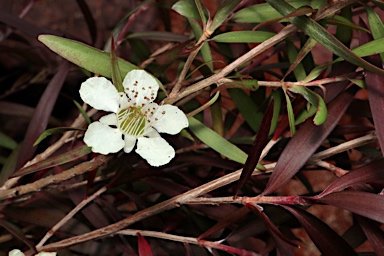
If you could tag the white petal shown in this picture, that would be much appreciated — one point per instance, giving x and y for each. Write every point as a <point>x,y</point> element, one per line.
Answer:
<point>46,254</point>
<point>130,142</point>
<point>156,151</point>
<point>100,93</point>
<point>140,87</point>
<point>15,252</point>
<point>103,139</point>
<point>110,119</point>
<point>169,119</point>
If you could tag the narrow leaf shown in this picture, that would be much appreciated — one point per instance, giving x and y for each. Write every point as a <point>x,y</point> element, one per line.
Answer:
<point>257,148</point>
<point>322,36</point>
<point>216,142</point>
<point>144,247</point>
<point>376,25</point>
<point>41,116</point>
<point>374,234</point>
<point>291,115</point>
<point>301,147</point>
<point>49,132</point>
<point>368,173</point>
<point>7,142</point>
<point>85,56</point>
<point>88,19</point>
<point>243,37</point>
<point>222,14</point>
<point>115,71</point>
<point>186,8</point>
<point>325,239</point>
<point>67,157</point>
<point>247,107</point>
<point>365,204</point>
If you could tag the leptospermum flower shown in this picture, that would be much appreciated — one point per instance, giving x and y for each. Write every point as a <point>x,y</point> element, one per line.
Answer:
<point>134,117</point>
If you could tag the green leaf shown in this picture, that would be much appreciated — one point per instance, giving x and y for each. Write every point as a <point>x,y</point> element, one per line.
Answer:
<point>295,60</point>
<point>222,14</point>
<point>276,110</point>
<point>248,84</point>
<point>7,142</point>
<point>9,166</point>
<point>159,36</point>
<point>205,49</point>
<point>291,116</point>
<point>216,142</point>
<point>263,12</point>
<point>247,107</point>
<point>243,37</point>
<point>186,8</point>
<point>83,113</point>
<point>373,47</point>
<point>85,56</point>
<point>315,100</point>
<point>115,71</point>
<point>376,25</point>
<point>322,36</point>
<point>56,160</point>
<point>49,132</point>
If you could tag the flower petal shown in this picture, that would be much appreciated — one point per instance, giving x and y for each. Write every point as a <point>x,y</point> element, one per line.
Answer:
<point>100,93</point>
<point>169,119</point>
<point>46,254</point>
<point>130,142</point>
<point>103,139</point>
<point>15,252</point>
<point>140,87</point>
<point>156,150</point>
<point>110,119</point>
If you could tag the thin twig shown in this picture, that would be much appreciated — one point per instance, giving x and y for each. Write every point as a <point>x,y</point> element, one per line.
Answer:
<point>54,179</point>
<point>69,216</point>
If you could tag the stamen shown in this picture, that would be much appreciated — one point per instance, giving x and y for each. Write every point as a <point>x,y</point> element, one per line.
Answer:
<point>131,121</point>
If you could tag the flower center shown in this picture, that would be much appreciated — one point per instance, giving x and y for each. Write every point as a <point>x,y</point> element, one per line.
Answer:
<point>131,121</point>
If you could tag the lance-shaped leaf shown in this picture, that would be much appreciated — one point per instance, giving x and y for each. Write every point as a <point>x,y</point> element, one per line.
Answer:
<point>243,37</point>
<point>375,87</point>
<point>85,56</point>
<point>301,147</point>
<point>88,19</point>
<point>368,173</point>
<point>54,161</point>
<point>363,203</point>
<point>257,148</point>
<point>283,244</point>
<point>186,8</point>
<point>325,239</point>
<point>263,12</point>
<point>215,141</point>
<point>376,25</point>
<point>49,132</point>
<point>41,116</point>
<point>316,100</point>
<point>117,80</point>
<point>225,9</point>
<point>374,234</point>
<point>322,36</point>
<point>144,247</point>
<point>247,107</point>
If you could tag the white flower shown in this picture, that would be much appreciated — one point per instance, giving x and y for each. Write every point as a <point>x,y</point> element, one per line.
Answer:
<point>17,252</point>
<point>135,117</point>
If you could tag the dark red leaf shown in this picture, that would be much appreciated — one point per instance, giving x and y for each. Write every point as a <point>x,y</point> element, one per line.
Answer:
<point>88,19</point>
<point>374,234</point>
<point>375,88</point>
<point>283,244</point>
<point>307,139</point>
<point>326,240</point>
<point>144,248</point>
<point>257,148</point>
<point>368,173</point>
<point>16,233</point>
<point>22,25</point>
<point>41,115</point>
<point>366,204</point>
